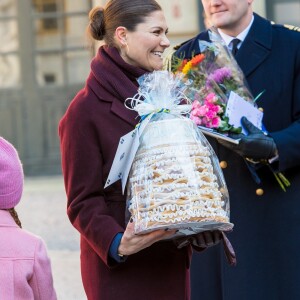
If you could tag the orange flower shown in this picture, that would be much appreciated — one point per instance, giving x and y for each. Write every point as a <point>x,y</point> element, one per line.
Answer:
<point>197,59</point>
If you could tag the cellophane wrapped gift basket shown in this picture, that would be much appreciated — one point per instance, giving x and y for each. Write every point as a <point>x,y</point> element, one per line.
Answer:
<point>175,179</point>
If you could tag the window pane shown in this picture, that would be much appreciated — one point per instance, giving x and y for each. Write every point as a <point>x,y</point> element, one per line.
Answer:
<point>47,24</point>
<point>76,31</point>
<point>10,71</point>
<point>49,69</point>
<point>8,8</point>
<point>47,34</point>
<point>45,6</point>
<point>77,6</point>
<point>9,36</point>
<point>78,66</point>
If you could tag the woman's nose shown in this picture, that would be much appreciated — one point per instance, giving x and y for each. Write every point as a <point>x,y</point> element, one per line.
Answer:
<point>165,42</point>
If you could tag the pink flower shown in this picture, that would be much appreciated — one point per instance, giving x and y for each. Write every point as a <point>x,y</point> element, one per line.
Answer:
<point>203,110</point>
<point>196,104</point>
<point>211,114</point>
<point>194,112</point>
<point>196,120</point>
<point>213,107</point>
<point>207,123</point>
<point>216,122</point>
<point>211,98</point>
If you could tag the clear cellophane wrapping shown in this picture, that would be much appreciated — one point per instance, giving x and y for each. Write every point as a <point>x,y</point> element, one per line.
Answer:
<point>175,180</point>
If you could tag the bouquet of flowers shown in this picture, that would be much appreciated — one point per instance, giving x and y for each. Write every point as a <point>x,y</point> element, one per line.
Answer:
<point>214,78</point>
<point>220,96</point>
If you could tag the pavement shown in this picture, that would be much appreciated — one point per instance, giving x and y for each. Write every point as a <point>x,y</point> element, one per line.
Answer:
<point>42,211</point>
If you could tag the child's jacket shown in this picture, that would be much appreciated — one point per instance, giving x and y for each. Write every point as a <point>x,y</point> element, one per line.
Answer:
<point>25,270</point>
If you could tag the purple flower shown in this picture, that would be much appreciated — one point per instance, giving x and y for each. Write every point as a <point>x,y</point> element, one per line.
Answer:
<point>219,75</point>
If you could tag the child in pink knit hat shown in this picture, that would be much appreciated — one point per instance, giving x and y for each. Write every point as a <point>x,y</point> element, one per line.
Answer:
<point>25,270</point>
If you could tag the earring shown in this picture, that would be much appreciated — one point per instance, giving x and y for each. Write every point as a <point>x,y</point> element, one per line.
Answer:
<point>124,44</point>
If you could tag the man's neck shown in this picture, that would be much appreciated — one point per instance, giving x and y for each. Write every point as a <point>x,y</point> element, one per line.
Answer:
<point>241,36</point>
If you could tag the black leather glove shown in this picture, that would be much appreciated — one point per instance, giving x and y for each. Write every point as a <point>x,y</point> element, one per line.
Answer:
<point>202,240</point>
<point>207,239</point>
<point>256,145</point>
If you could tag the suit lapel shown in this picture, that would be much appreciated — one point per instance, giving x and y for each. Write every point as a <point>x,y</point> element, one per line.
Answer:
<point>257,46</point>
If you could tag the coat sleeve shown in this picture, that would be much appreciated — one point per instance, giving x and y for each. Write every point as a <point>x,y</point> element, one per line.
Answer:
<point>287,140</point>
<point>82,164</point>
<point>42,282</point>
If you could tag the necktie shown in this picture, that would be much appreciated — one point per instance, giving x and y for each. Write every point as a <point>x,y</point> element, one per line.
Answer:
<point>234,48</point>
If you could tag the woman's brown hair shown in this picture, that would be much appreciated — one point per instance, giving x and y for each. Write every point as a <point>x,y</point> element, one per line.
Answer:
<point>126,13</point>
<point>15,216</point>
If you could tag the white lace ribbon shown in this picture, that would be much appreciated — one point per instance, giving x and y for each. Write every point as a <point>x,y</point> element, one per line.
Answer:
<point>160,91</point>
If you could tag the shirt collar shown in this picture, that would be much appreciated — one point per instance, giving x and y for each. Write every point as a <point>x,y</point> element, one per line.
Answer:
<point>241,36</point>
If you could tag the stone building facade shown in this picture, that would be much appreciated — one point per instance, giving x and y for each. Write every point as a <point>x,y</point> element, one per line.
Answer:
<point>44,60</point>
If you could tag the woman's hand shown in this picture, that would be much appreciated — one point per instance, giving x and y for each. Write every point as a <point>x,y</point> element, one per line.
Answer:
<point>132,243</point>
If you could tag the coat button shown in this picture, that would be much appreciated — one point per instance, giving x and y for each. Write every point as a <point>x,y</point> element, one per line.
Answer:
<point>223,164</point>
<point>259,192</point>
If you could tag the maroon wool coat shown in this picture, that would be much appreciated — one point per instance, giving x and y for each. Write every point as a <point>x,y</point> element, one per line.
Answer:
<point>90,131</point>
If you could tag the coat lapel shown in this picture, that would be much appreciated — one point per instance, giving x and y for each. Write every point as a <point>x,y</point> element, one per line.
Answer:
<point>130,116</point>
<point>117,106</point>
<point>257,46</point>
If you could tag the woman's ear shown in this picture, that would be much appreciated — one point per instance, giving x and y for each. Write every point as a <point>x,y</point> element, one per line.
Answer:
<point>121,35</point>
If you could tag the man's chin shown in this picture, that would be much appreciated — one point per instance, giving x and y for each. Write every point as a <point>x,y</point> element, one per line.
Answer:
<point>218,23</point>
<point>219,20</point>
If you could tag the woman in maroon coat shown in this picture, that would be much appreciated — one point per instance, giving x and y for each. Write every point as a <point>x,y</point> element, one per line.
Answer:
<point>115,263</point>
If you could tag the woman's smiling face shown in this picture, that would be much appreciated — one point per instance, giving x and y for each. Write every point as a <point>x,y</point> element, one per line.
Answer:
<point>144,46</point>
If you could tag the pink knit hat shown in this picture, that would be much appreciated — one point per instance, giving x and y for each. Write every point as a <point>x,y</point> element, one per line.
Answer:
<point>11,175</point>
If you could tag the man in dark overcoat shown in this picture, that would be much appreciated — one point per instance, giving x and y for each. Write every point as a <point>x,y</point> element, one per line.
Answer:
<point>267,220</point>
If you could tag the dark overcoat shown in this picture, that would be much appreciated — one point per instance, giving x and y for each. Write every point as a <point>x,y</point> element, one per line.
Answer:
<point>266,235</point>
<point>90,132</point>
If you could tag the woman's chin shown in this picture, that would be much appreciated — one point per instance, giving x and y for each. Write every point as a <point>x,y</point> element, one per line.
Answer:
<point>158,67</point>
